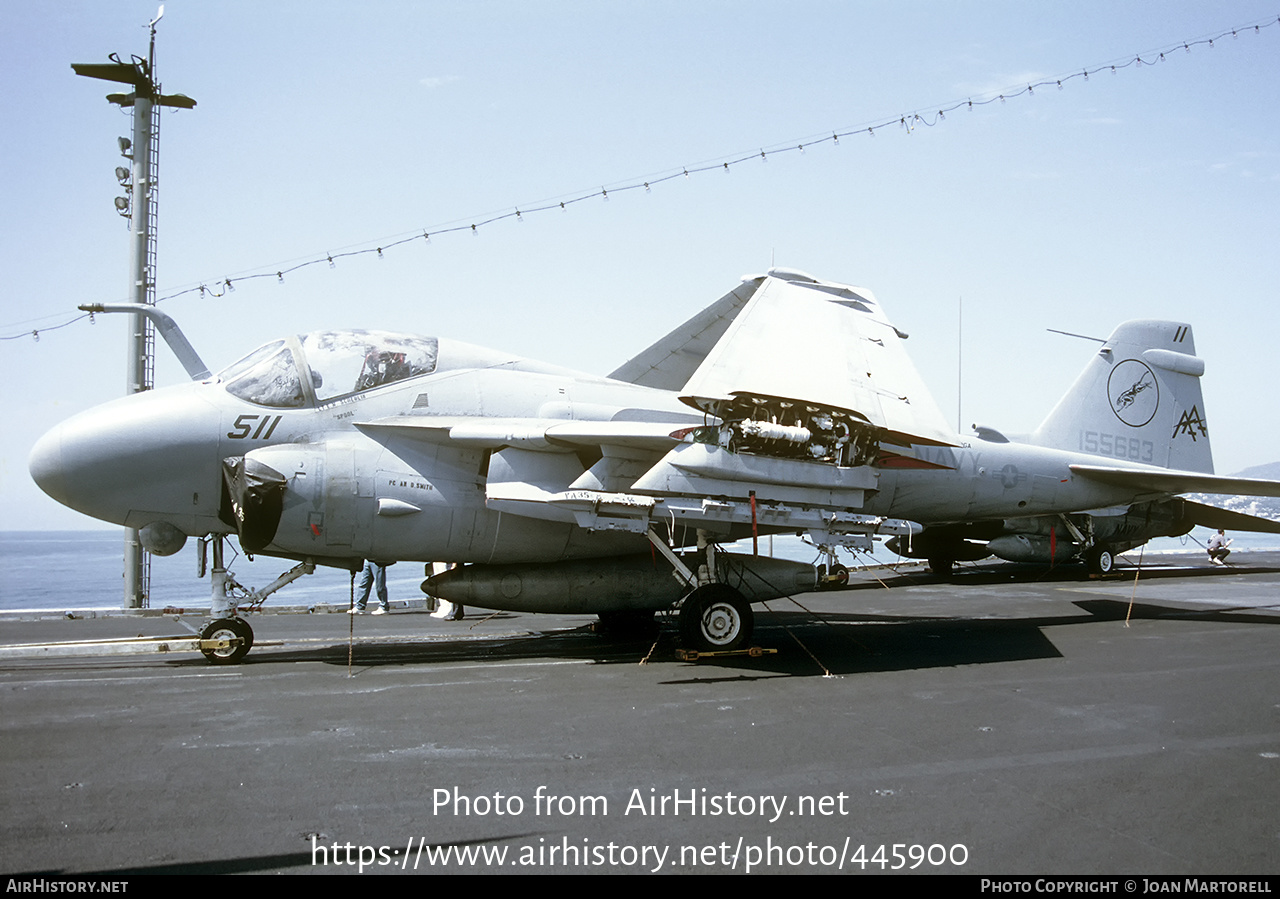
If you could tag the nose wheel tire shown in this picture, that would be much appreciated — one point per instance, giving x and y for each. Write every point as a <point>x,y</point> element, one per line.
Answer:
<point>227,629</point>
<point>716,618</point>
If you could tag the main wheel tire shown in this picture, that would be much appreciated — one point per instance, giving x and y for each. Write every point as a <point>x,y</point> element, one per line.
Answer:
<point>1100,560</point>
<point>716,618</point>
<point>227,628</point>
<point>942,567</point>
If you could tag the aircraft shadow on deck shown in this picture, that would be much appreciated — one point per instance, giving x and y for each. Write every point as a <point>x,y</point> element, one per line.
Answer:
<point>842,647</point>
<point>838,642</point>
<point>1012,572</point>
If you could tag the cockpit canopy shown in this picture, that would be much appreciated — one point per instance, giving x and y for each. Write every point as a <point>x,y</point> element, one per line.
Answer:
<point>325,366</point>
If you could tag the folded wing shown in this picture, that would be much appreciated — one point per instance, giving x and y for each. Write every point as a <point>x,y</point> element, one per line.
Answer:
<point>821,344</point>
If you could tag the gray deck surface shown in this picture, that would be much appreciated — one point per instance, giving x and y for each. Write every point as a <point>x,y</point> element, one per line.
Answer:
<point>1011,712</point>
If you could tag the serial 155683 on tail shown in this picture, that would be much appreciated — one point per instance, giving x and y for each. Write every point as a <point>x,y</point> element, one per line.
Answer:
<point>556,491</point>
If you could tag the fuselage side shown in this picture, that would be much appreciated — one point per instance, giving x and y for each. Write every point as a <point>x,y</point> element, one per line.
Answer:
<point>353,489</point>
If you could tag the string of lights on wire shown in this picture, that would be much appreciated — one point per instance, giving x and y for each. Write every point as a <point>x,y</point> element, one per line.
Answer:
<point>903,121</point>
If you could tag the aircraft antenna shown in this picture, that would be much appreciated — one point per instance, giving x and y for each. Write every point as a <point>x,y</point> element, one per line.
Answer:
<point>1081,336</point>
<point>138,205</point>
<point>959,360</point>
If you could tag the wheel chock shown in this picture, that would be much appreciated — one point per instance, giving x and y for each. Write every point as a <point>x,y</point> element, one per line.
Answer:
<point>693,655</point>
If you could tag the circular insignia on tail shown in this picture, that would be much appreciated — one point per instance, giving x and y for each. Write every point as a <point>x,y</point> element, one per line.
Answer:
<point>1134,392</point>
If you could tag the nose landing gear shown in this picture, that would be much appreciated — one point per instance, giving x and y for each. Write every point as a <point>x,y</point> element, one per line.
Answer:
<point>235,635</point>
<point>227,627</point>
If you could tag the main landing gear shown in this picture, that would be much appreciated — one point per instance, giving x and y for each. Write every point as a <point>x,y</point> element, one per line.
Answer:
<point>942,566</point>
<point>716,618</point>
<point>1100,559</point>
<point>831,575</point>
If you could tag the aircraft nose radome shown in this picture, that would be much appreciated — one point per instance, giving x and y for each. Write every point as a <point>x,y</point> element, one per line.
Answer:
<point>148,454</point>
<point>80,464</point>
<point>45,465</point>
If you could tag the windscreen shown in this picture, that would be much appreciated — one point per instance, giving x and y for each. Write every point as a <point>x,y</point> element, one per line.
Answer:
<point>346,362</point>
<point>268,376</point>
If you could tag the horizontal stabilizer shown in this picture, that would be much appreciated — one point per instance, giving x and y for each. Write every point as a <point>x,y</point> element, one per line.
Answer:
<point>1160,481</point>
<point>1227,520</point>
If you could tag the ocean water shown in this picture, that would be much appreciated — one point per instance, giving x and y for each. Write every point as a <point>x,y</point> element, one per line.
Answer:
<point>84,570</point>
<point>58,570</point>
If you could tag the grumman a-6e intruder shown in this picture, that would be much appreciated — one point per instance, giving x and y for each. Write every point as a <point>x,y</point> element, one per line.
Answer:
<point>788,406</point>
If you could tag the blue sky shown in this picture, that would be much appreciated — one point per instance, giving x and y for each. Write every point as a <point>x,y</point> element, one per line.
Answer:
<point>326,126</point>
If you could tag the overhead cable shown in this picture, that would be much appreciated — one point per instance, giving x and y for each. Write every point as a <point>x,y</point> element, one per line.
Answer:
<point>905,121</point>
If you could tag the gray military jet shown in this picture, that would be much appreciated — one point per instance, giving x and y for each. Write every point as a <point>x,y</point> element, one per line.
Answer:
<point>558,491</point>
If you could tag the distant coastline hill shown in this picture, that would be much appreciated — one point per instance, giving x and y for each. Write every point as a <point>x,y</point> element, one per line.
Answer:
<point>1270,471</point>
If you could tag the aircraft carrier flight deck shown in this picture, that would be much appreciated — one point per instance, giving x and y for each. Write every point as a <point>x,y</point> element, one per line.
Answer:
<point>1009,720</point>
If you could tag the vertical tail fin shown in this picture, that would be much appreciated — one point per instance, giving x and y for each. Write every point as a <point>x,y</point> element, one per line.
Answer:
<point>1138,399</point>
